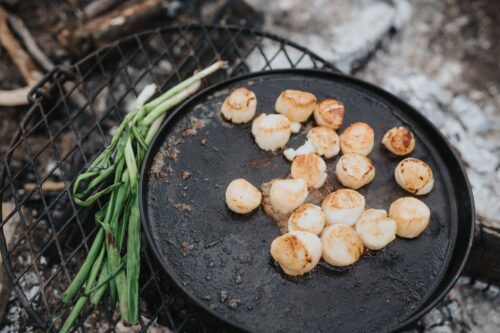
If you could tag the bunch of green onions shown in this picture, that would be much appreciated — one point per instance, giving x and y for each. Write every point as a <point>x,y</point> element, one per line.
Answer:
<point>110,265</point>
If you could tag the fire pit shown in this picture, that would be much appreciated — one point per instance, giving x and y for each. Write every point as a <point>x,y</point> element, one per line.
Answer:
<point>74,111</point>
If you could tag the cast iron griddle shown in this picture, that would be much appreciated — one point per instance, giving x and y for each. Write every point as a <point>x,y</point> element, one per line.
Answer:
<point>221,260</point>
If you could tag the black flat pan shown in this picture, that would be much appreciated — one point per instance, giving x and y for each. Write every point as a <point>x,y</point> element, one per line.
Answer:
<point>221,260</point>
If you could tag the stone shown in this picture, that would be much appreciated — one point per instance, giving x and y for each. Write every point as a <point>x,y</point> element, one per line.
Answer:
<point>470,115</point>
<point>345,34</point>
<point>355,39</point>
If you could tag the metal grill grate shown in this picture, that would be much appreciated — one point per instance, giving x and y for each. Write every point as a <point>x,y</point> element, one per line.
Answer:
<point>74,110</point>
<point>73,113</point>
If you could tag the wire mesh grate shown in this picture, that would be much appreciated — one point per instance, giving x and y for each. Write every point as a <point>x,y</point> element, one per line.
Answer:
<point>68,125</point>
<point>74,110</point>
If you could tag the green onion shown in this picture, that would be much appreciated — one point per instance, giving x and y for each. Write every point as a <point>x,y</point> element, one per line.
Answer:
<point>108,265</point>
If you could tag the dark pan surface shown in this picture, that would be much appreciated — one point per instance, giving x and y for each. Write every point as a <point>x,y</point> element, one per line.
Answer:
<point>221,260</point>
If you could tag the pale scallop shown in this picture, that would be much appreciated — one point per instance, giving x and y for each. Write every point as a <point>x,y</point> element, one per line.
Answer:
<point>325,140</point>
<point>320,140</point>
<point>242,197</point>
<point>354,170</point>
<point>341,245</point>
<point>357,138</point>
<point>297,252</point>
<point>343,206</point>
<point>399,141</point>
<point>239,107</point>
<point>411,215</point>
<point>311,168</point>
<point>330,113</point>
<point>286,195</point>
<point>376,229</point>
<point>414,175</point>
<point>307,217</point>
<point>271,132</point>
<point>296,105</point>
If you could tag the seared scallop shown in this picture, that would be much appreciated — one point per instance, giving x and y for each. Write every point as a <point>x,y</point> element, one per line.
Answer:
<point>239,107</point>
<point>376,229</point>
<point>297,252</point>
<point>242,197</point>
<point>311,168</point>
<point>330,113</point>
<point>414,175</point>
<point>286,195</point>
<point>357,138</point>
<point>296,105</point>
<point>343,206</point>
<point>354,170</point>
<point>411,215</point>
<point>271,132</point>
<point>341,245</point>
<point>320,140</point>
<point>307,217</point>
<point>399,141</point>
<point>325,140</point>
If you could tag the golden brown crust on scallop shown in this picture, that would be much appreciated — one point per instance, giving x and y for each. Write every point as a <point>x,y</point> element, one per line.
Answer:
<point>399,140</point>
<point>411,215</point>
<point>297,105</point>
<point>357,138</point>
<point>309,167</point>
<point>343,198</point>
<point>240,103</point>
<point>330,113</point>
<point>355,170</point>
<point>414,174</point>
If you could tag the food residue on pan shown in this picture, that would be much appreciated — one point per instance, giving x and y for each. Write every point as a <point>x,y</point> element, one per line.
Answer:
<point>186,248</point>
<point>160,169</point>
<point>196,124</point>
<point>185,175</point>
<point>173,153</point>
<point>223,295</point>
<point>183,207</point>
<point>280,218</point>
<point>233,303</point>
<point>260,163</point>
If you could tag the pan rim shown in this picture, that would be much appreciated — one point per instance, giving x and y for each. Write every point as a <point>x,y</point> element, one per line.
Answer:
<point>432,299</point>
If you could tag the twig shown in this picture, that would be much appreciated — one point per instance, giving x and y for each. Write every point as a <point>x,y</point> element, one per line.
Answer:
<point>14,97</point>
<point>22,60</point>
<point>47,186</point>
<point>18,96</point>
<point>98,7</point>
<point>124,20</point>
<point>20,29</point>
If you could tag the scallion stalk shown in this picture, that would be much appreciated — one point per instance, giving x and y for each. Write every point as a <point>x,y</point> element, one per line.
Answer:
<point>108,265</point>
